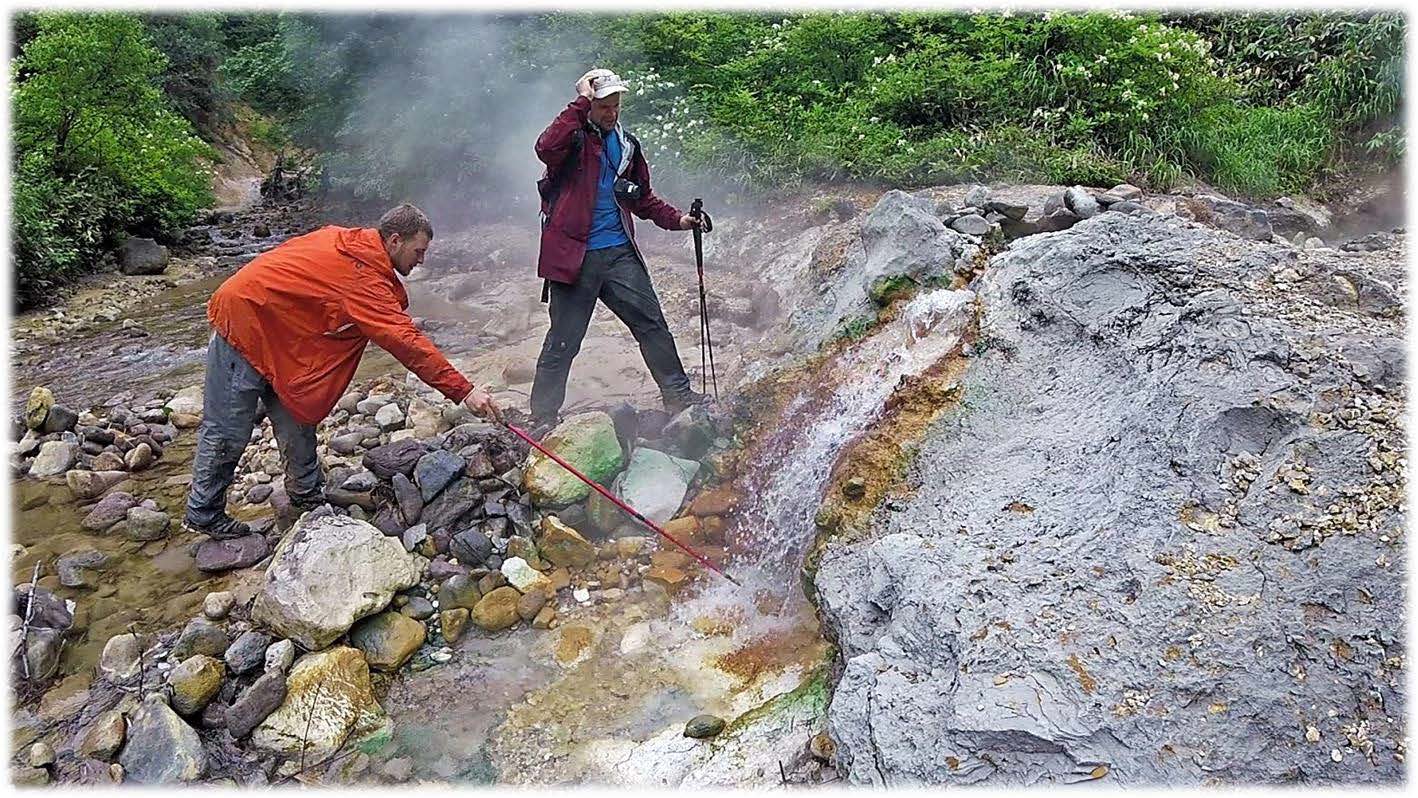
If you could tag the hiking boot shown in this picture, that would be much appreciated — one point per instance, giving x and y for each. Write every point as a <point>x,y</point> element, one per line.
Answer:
<point>541,426</point>
<point>677,404</point>
<point>302,503</point>
<point>224,528</point>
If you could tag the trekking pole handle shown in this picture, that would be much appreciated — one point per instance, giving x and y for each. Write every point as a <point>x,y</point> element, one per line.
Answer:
<point>696,209</point>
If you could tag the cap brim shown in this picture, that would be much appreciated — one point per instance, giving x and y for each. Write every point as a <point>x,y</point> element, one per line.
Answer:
<point>608,91</point>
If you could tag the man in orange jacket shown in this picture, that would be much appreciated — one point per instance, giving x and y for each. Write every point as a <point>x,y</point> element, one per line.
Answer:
<point>288,331</point>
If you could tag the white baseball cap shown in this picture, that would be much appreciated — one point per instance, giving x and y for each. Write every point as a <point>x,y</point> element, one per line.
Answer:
<point>603,86</point>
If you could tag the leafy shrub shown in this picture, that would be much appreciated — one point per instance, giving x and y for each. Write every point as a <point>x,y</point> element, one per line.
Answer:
<point>98,151</point>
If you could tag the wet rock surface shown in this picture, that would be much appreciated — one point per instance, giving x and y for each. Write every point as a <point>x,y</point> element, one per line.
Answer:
<point>1163,540</point>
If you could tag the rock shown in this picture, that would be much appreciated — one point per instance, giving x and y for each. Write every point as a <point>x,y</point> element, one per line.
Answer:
<point>977,196</point>
<point>74,568</point>
<point>691,432</point>
<point>139,256</point>
<point>388,639</point>
<point>327,573</point>
<point>109,461</point>
<point>398,769</point>
<point>37,407</point>
<point>256,703</point>
<point>668,577</point>
<point>633,546</point>
<point>719,501</point>
<point>497,610</point>
<point>217,606</point>
<point>1128,206</point>
<point>530,605</point>
<point>491,581</point>
<point>195,682</point>
<point>479,465</point>
<point>435,471</point>
<point>418,608</point>
<point>28,776</point>
<point>518,546</point>
<point>561,545</point>
<point>188,401</point>
<point>248,652</point>
<point>459,591</point>
<point>280,655</point>
<point>822,748</point>
<point>139,457</point>
<point>1009,210</point>
<point>102,738</point>
<point>702,727</point>
<point>1126,192</point>
<point>1082,203</point>
<point>399,457</point>
<point>413,536</point>
<point>1228,215</point>
<point>161,748</point>
<point>971,224</point>
<point>470,547</point>
<point>523,577</point>
<point>200,636</point>
<point>448,509</point>
<point>425,420</point>
<point>145,524</point>
<point>60,419</point>
<point>1123,315</point>
<point>110,510</point>
<point>225,555</point>
<point>86,485</point>
<point>347,444</point>
<point>329,700</point>
<point>655,483</point>
<point>54,458</point>
<point>453,623</point>
<point>544,618</point>
<point>589,443</point>
<point>120,659</point>
<point>389,417</point>
<point>371,404</point>
<point>360,482</point>
<point>41,754</point>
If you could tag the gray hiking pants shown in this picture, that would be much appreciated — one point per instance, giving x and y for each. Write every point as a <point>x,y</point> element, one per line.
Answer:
<point>615,276</point>
<point>234,397</point>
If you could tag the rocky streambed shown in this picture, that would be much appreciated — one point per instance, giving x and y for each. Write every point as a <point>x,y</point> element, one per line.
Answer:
<point>897,367</point>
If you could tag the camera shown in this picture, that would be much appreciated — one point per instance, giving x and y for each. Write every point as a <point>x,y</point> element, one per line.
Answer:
<point>626,191</point>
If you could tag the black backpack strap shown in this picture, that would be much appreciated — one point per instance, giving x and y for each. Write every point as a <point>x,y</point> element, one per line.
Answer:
<point>563,172</point>
<point>546,291</point>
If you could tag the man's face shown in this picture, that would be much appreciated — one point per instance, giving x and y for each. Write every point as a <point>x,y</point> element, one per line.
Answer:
<point>406,253</point>
<point>605,113</point>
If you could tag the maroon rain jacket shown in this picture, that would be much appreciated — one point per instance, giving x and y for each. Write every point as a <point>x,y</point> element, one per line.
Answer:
<point>564,233</point>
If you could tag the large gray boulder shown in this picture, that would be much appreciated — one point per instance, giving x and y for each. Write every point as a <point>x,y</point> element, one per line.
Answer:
<point>902,237</point>
<point>329,572</point>
<point>142,256</point>
<point>1158,547</point>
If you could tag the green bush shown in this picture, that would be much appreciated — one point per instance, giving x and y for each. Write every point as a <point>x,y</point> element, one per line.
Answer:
<point>98,151</point>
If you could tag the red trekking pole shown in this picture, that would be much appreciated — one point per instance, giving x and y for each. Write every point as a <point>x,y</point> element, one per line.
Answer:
<point>622,505</point>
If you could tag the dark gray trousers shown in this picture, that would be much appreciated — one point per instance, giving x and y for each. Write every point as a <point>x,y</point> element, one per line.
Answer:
<point>234,395</point>
<point>615,276</point>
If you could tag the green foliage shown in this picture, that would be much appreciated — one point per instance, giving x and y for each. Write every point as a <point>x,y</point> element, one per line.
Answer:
<point>1258,151</point>
<point>98,151</point>
<point>194,45</point>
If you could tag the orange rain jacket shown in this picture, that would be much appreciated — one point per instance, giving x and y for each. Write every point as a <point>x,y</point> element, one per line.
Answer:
<point>302,313</point>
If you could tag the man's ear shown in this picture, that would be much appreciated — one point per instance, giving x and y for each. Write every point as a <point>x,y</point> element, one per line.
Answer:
<point>393,241</point>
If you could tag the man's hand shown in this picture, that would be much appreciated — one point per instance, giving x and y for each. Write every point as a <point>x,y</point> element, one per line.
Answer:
<point>687,222</point>
<point>480,402</point>
<point>583,86</point>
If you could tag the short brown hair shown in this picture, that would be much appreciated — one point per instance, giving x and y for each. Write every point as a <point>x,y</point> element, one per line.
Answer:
<point>406,220</point>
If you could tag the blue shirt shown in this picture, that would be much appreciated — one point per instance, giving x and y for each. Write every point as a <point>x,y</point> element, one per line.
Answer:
<point>606,227</point>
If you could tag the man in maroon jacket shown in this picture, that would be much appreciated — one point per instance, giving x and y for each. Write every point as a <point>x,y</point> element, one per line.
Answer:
<point>596,177</point>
